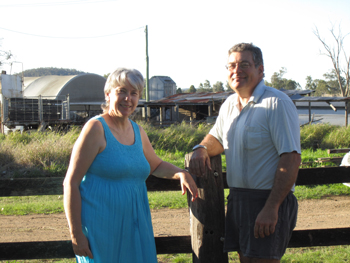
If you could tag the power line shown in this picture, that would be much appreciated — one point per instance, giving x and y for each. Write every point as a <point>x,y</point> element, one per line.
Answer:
<point>57,3</point>
<point>62,37</point>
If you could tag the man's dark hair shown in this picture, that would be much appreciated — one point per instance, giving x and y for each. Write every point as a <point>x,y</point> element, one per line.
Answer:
<point>257,54</point>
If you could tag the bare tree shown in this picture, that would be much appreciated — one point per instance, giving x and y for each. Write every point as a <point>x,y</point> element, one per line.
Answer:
<point>4,55</point>
<point>334,53</point>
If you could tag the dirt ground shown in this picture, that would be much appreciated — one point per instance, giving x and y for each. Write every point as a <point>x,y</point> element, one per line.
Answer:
<point>331,212</point>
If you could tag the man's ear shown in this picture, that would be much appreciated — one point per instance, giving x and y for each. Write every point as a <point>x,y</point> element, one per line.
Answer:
<point>261,69</point>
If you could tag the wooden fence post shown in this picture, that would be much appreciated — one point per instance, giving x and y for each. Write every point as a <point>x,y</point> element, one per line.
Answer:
<point>207,215</point>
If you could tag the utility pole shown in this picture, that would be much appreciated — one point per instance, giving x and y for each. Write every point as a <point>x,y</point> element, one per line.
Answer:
<point>147,66</point>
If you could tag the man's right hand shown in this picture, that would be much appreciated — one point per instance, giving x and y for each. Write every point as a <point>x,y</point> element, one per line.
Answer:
<point>199,162</point>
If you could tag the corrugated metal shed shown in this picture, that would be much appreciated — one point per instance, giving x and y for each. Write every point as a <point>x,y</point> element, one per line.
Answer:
<point>84,88</point>
<point>191,98</point>
<point>160,87</point>
<point>207,104</point>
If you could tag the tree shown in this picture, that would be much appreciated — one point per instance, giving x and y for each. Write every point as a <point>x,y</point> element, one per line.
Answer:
<point>228,88</point>
<point>278,82</point>
<point>38,72</point>
<point>4,55</point>
<point>178,91</point>
<point>332,81</point>
<point>192,89</point>
<point>323,87</point>
<point>310,84</point>
<point>342,70</point>
<point>200,88</point>
<point>218,86</point>
<point>207,86</point>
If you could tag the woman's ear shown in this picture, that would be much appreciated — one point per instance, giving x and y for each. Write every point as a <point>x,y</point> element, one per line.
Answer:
<point>106,96</point>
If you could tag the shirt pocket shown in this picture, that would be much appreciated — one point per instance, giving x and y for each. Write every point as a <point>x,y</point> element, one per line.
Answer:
<point>253,137</point>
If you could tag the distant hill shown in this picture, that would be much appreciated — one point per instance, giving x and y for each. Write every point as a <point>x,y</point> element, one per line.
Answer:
<point>39,72</point>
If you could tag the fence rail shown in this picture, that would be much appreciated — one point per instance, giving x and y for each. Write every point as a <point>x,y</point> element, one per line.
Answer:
<point>53,185</point>
<point>165,245</point>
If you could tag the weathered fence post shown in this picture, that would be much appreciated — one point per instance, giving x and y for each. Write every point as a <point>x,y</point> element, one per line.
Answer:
<point>207,215</point>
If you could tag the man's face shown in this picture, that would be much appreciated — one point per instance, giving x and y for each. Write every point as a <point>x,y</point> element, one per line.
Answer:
<point>243,76</point>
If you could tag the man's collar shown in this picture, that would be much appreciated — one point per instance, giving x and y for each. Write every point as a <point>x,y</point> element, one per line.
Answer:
<point>258,92</point>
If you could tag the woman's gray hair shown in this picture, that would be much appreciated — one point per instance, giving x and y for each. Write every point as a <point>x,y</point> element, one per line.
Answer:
<point>121,77</point>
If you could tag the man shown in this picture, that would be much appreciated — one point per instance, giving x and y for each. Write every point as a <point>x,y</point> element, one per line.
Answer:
<point>258,129</point>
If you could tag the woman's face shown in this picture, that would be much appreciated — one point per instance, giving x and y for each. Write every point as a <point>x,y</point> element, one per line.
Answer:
<point>123,100</point>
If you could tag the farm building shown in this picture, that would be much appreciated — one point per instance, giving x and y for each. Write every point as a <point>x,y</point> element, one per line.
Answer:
<point>161,87</point>
<point>31,102</point>
<point>189,107</point>
<point>204,106</point>
<point>85,92</point>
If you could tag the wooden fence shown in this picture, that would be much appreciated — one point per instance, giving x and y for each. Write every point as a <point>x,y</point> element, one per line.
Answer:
<point>209,223</point>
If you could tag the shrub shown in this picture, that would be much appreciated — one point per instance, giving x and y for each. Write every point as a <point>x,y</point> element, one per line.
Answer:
<point>311,136</point>
<point>337,138</point>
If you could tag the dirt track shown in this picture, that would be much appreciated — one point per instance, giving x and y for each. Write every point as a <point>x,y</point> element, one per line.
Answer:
<point>332,212</point>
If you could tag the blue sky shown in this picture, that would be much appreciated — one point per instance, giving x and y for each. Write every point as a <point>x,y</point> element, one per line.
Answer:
<point>188,40</point>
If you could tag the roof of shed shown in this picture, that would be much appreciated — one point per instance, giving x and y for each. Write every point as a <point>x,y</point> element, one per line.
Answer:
<point>45,86</point>
<point>83,88</point>
<point>209,97</point>
<point>165,79</point>
<point>191,98</point>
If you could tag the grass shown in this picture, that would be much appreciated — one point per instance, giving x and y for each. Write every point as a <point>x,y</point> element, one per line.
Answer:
<point>47,154</point>
<point>331,254</point>
<point>24,205</point>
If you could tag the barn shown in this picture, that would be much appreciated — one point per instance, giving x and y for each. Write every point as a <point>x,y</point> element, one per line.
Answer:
<point>84,92</point>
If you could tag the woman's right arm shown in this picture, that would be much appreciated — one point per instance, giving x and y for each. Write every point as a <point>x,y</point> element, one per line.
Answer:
<point>90,142</point>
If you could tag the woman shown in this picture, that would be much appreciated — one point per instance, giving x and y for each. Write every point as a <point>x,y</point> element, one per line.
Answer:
<point>105,195</point>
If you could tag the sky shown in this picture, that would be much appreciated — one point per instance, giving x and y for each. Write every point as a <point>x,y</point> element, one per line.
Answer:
<point>187,40</point>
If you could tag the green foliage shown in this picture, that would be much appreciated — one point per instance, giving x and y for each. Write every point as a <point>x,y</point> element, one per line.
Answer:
<point>324,136</point>
<point>170,199</point>
<point>28,155</point>
<point>181,137</point>
<point>192,89</point>
<point>218,86</point>
<point>23,205</point>
<point>313,135</point>
<point>337,138</point>
<point>331,254</point>
<point>17,138</point>
<point>36,154</point>
<point>278,82</point>
<point>47,154</point>
<point>227,86</point>
<point>176,158</point>
<point>54,260</point>
<point>320,191</point>
<point>38,72</point>
<point>329,86</point>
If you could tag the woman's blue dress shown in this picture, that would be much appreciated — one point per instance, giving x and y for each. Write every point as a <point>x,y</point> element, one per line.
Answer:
<point>115,211</point>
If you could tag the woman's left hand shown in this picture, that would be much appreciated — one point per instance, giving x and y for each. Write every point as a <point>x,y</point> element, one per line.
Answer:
<point>187,183</point>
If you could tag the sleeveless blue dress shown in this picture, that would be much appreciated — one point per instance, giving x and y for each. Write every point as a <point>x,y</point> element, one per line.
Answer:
<point>115,214</point>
